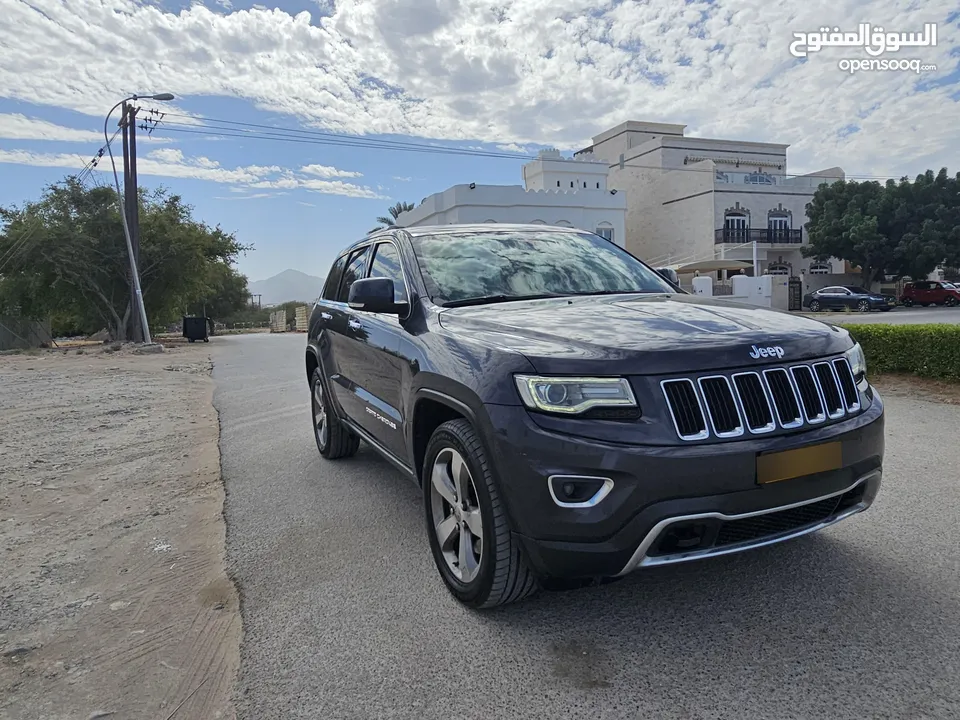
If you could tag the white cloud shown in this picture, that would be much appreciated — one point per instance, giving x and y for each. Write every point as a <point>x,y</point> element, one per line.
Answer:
<point>225,4</point>
<point>402,179</point>
<point>549,72</point>
<point>170,162</point>
<point>512,147</point>
<point>325,171</point>
<point>15,126</point>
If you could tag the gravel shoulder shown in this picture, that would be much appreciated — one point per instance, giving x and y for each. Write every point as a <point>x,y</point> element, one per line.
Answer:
<point>114,601</point>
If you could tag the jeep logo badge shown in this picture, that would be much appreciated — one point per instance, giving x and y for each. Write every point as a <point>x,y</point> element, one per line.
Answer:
<point>759,352</point>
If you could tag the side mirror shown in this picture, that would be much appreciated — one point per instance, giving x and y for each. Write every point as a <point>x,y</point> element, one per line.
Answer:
<point>375,295</point>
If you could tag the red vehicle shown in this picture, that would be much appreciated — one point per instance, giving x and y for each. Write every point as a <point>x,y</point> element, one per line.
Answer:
<point>930,292</point>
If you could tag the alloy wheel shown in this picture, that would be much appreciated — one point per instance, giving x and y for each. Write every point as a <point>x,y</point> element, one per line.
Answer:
<point>815,306</point>
<point>456,516</point>
<point>863,306</point>
<point>319,415</point>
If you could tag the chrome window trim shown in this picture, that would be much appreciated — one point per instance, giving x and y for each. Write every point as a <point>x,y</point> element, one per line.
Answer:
<point>703,434</point>
<point>736,432</point>
<point>772,425</point>
<point>640,559</point>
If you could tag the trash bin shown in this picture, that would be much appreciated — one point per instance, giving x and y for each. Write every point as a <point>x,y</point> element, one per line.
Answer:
<point>195,328</point>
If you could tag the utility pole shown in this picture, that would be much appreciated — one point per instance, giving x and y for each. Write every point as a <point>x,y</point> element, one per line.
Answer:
<point>127,128</point>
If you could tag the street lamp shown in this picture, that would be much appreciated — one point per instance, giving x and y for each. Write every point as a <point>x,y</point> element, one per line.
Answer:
<point>123,214</point>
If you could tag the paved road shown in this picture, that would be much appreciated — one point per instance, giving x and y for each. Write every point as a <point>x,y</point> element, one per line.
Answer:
<point>899,315</point>
<point>345,617</point>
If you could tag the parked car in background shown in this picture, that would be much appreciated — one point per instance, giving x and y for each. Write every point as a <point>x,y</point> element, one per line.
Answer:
<point>930,292</point>
<point>841,297</point>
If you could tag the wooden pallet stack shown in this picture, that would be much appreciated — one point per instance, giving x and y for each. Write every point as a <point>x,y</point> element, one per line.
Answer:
<point>303,318</point>
<point>278,321</point>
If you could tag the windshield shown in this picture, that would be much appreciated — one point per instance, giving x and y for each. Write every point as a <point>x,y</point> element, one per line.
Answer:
<point>459,267</point>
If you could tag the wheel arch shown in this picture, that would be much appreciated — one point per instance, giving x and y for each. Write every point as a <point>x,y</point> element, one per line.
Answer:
<point>312,363</point>
<point>432,408</point>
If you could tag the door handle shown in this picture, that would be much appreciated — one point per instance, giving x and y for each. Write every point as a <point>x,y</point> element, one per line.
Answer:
<point>354,324</point>
<point>326,316</point>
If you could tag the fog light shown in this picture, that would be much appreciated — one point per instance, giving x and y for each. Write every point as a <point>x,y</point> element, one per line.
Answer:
<point>578,490</point>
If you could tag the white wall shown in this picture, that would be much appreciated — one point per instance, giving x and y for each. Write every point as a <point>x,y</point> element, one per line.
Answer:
<point>512,204</point>
<point>552,172</point>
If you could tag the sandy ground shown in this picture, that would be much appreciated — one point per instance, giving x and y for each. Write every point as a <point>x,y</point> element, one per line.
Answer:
<point>113,598</point>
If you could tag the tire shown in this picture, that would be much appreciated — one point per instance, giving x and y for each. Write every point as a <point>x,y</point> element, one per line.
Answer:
<point>500,575</point>
<point>815,306</point>
<point>334,439</point>
<point>863,306</point>
<point>950,302</point>
<point>907,302</point>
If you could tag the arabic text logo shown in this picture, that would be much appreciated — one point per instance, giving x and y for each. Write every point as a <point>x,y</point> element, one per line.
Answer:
<point>875,41</point>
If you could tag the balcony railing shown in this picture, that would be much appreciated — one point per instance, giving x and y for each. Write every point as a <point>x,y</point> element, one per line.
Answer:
<point>764,235</point>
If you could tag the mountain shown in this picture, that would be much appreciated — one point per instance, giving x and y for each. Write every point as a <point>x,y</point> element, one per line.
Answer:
<point>287,286</point>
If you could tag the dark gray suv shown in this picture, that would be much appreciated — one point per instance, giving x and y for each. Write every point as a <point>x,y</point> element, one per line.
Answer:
<point>570,415</point>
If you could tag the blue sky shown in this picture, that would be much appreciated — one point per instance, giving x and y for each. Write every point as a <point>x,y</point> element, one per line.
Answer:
<point>513,78</point>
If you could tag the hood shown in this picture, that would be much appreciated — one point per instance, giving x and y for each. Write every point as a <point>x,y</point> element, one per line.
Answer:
<point>644,334</point>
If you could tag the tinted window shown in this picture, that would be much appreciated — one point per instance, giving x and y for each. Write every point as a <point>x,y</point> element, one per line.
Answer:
<point>460,266</point>
<point>333,279</point>
<point>832,291</point>
<point>355,269</point>
<point>386,263</point>
<point>857,290</point>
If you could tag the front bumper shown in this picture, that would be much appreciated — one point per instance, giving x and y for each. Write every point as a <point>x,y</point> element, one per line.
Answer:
<point>660,493</point>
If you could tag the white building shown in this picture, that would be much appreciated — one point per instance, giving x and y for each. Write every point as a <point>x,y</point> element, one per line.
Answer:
<point>556,191</point>
<point>692,199</point>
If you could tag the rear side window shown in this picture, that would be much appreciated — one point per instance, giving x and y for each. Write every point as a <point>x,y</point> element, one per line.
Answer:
<point>332,284</point>
<point>386,264</point>
<point>355,270</point>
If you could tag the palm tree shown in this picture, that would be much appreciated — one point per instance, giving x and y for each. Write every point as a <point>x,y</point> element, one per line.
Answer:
<point>394,211</point>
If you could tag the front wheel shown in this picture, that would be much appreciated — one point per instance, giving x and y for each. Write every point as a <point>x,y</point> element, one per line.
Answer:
<point>863,306</point>
<point>906,302</point>
<point>951,302</point>
<point>334,439</point>
<point>475,553</point>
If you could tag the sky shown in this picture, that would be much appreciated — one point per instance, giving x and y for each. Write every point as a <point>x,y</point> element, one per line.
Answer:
<point>276,131</point>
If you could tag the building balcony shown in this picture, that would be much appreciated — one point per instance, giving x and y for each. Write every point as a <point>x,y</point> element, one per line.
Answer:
<point>767,236</point>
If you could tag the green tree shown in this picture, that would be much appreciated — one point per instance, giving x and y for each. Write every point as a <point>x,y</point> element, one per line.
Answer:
<point>65,256</point>
<point>394,213</point>
<point>900,228</point>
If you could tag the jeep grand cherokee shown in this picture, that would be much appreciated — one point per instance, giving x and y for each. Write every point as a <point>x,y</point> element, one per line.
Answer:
<point>569,414</point>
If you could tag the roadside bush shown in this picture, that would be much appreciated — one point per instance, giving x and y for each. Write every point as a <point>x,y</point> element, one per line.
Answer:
<point>927,350</point>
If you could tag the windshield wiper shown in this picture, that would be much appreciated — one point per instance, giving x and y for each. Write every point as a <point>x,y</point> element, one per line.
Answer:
<point>485,299</point>
<point>620,292</point>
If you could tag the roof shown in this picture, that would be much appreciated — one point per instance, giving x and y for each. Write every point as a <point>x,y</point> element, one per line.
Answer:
<point>419,230</point>
<point>712,265</point>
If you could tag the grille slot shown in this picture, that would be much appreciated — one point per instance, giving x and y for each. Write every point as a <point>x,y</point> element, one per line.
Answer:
<point>754,401</point>
<point>784,398</point>
<point>830,388</point>
<point>761,526</point>
<point>685,409</point>
<point>724,414</point>
<point>848,385</point>
<point>809,394</point>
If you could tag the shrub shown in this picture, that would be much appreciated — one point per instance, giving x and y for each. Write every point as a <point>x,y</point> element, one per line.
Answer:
<point>927,350</point>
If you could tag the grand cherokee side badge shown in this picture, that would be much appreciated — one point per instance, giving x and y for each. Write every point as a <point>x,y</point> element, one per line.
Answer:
<point>756,352</point>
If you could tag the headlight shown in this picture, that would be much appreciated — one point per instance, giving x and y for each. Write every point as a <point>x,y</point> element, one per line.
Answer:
<point>858,363</point>
<point>573,395</point>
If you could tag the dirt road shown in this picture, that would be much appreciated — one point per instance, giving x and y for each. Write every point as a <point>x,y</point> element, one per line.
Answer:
<point>113,598</point>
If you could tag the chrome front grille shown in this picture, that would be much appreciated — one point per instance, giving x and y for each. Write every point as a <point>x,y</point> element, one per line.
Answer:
<point>729,406</point>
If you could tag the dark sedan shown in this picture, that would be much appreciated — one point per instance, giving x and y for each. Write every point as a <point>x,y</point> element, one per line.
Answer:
<point>841,297</point>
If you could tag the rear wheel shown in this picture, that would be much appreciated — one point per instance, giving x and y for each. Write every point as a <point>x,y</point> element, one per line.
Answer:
<point>863,306</point>
<point>815,306</point>
<point>334,439</point>
<point>467,526</point>
<point>907,302</point>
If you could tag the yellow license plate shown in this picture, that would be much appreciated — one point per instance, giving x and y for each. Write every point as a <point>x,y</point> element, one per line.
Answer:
<point>774,467</point>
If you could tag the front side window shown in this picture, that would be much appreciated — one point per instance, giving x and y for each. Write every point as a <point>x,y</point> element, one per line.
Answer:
<point>386,264</point>
<point>466,267</point>
<point>355,269</point>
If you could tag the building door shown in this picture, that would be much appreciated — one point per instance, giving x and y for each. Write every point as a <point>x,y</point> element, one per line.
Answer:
<point>795,294</point>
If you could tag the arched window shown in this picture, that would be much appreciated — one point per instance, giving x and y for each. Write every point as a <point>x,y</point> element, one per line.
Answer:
<point>537,222</point>
<point>820,268</point>
<point>489,221</point>
<point>605,230</point>
<point>735,227</point>
<point>758,178</point>
<point>778,269</point>
<point>563,223</point>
